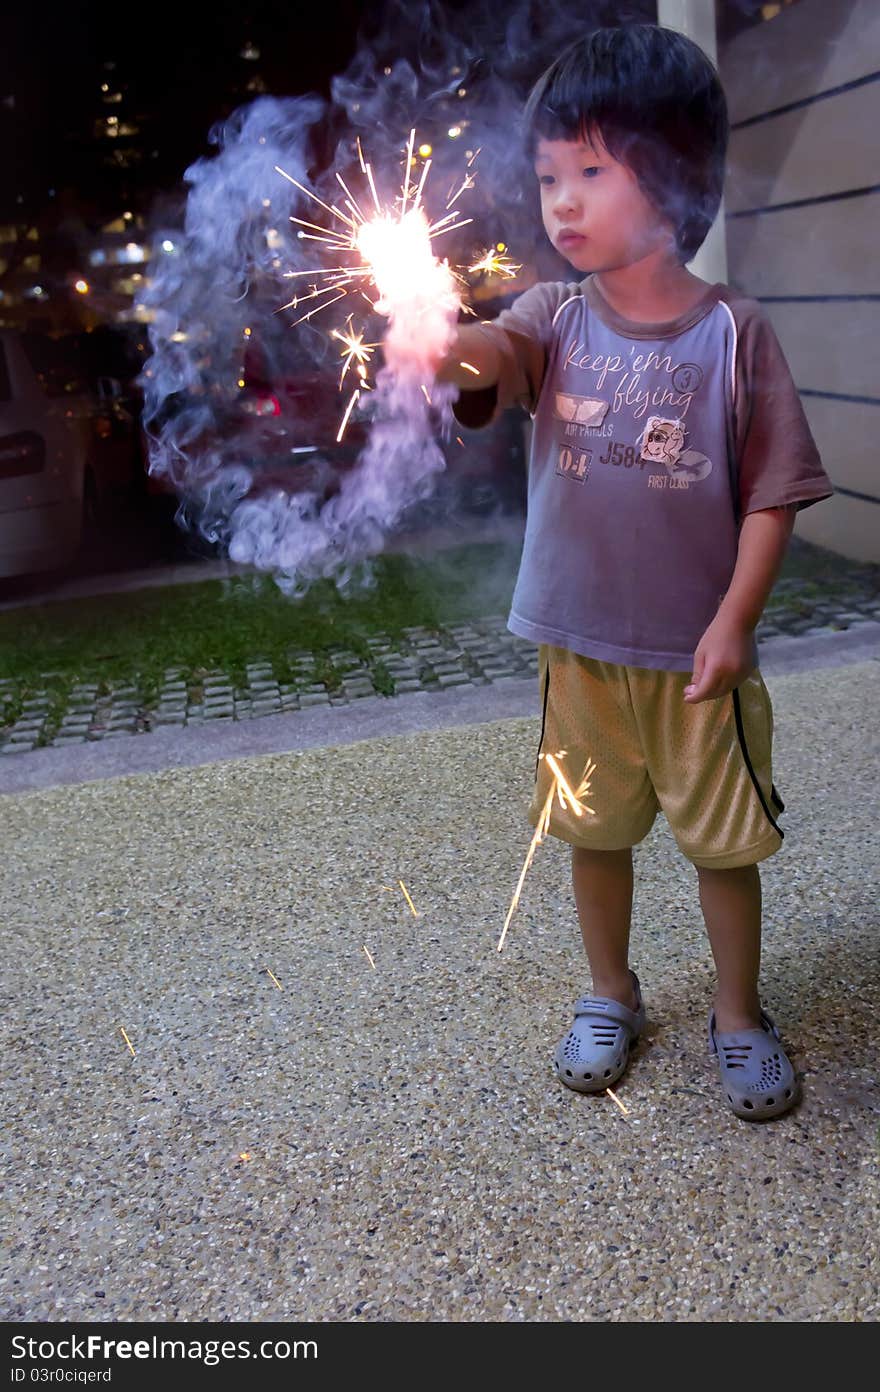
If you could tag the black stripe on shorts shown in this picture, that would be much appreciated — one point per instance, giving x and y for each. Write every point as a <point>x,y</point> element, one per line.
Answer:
<point>543,716</point>
<point>737,711</point>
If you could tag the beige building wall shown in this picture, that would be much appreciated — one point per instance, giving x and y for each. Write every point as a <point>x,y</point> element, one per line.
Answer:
<point>803,233</point>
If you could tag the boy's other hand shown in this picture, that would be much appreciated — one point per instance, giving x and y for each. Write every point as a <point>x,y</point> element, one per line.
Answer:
<point>722,661</point>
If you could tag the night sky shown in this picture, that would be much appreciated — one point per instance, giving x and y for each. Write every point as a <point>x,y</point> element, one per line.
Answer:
<point>179,63</point>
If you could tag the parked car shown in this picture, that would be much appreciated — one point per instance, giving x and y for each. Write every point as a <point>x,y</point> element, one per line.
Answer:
<point>68,446</point>
<point>281,420</point>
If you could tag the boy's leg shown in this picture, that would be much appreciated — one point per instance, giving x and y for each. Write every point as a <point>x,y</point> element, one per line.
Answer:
<point>603,891</point>
<point>731,903</point>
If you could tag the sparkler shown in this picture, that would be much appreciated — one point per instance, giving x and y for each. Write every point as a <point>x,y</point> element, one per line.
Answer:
<point>568,799</point>
<point>395,243</point>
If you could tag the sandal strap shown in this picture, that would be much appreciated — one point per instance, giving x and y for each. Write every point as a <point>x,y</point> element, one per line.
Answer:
<point>741,1037</point>
<point>607,1008</point>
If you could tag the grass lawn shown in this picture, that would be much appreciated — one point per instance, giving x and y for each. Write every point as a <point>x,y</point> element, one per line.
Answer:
<point>134,638</point>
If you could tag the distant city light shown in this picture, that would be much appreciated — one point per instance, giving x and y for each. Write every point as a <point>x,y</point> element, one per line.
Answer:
<point>81,287</point>
<point>133,252</point>
<point>128,216</point>
<point>462,91</point>
<point>454,131</point>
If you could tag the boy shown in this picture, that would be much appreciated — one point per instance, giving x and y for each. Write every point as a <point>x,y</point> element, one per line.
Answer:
<point>670,453</point>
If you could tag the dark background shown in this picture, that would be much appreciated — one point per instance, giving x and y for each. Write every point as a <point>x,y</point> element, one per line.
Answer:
<point>182,69</point>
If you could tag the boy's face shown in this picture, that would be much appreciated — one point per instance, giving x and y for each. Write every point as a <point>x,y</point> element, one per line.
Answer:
<point>594,212</point>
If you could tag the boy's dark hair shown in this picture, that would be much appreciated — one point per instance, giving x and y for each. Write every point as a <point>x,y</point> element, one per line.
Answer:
<point>655,101</point>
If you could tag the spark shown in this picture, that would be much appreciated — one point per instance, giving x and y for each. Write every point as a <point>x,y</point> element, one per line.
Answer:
<point>408,900</point>
<point>275,979</point>
<point>348,410</point>
<point>354,349</point>
<point>244,1155</point>
<point>469,367</point>
<point>573,799</point>
<point>493,261</point>
<point>427,396</point>
<point>615,1098</point>
<point>409,155</point>
<point>128,1042</point>
<point>369,958</point>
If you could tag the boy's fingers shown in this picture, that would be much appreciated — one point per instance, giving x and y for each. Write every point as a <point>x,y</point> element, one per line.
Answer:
<point>701,686</point>
<point>696,680</point>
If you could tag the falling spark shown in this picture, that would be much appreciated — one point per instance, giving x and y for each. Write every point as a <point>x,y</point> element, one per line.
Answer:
<point>460,441</point>
<point>427,396</point>
<point>469,367</point>
<point>128,1042</point>
<point>369,958</point>
<point>408,900</point>
<point>348,410</point>
<point>567,798</point>
<point>616,1099</point>
<point>244,1155</point>
<point>275,979</point>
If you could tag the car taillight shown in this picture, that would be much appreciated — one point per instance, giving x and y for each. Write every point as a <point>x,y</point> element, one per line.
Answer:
<point>22,453</point>
<point>262,406</point>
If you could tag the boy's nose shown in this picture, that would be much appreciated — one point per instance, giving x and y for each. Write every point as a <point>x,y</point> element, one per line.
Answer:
<point>565,203</point>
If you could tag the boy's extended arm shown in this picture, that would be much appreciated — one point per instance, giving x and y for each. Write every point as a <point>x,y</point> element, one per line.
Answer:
<point>476,349</point>
<point>723,657</point>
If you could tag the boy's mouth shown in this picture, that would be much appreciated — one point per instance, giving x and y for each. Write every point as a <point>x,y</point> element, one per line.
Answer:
<point>566,240</point>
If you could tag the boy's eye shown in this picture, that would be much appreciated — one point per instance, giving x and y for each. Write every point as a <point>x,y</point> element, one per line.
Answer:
<point>592,170</point>
<point>545,179</point>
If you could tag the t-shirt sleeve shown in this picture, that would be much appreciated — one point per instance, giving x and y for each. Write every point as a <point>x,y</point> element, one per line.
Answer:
<point>522,337</point>
<point>778,460</point>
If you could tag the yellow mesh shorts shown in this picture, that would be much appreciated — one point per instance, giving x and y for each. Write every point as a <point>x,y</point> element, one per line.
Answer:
<point>707,767</point>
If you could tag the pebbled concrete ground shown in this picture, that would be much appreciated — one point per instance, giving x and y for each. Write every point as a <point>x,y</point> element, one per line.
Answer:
<point>385,1139</point>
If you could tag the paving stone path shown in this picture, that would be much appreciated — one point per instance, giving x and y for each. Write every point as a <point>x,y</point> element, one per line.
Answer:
<point>474,653</point>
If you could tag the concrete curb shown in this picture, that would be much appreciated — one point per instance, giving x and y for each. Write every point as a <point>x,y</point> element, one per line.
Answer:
<point>366,719</point>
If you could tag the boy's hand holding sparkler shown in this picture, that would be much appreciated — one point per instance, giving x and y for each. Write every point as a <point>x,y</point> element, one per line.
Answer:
<point>471,362</point>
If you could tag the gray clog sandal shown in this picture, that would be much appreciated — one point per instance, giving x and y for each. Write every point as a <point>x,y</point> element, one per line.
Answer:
<point>756,1075</point>
<point>595,1052</point>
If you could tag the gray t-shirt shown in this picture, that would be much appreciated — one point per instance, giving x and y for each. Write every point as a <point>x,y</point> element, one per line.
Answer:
<point>650,444</point>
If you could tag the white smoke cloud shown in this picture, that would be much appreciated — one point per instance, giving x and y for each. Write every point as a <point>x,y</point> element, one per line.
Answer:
<point>216,295</point>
